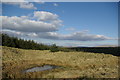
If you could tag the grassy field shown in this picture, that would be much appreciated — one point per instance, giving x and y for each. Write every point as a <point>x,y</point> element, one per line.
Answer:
<point>74,64</point>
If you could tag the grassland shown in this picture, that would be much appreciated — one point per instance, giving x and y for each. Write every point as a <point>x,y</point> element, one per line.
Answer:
<point>74,64</point>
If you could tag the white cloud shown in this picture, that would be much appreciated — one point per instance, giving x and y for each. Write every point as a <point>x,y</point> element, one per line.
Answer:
<point>55,4</point>
<point>18,33</point>
<point>25,5</point>
<point>49,35</point>
<point>26,25</point>
<point>79,36</point>
<point>76,36</point>
<point>32,34</point>
<point>45,16</point>
<point>13,0</point>
<point>24,17</point>
<point>38,1</point>
<point>13,33</point>
<point>48,16</point>
<point>83,36</point>
<point>43,25</point>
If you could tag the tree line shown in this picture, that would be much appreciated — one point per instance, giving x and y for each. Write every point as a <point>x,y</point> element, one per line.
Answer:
<point>28,44</point>
<point>21,43</point>
<point>106,50</point>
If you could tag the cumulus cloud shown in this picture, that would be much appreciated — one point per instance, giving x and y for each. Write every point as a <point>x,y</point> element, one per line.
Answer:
<point>25,5</point>
<point>78,36</point>
<point>45,16</point>
<point>24,24</point>
<point>43,25</point>
<point>48,17</point>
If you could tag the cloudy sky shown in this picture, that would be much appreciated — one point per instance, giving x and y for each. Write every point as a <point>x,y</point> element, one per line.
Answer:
<point>62,23</point>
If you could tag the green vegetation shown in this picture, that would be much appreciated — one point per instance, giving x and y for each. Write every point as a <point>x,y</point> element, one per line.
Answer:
<point>20,43</point>
<point>107,50</point>
<point>54,48</point>
<point>75,64</point>
<point>29,44</point>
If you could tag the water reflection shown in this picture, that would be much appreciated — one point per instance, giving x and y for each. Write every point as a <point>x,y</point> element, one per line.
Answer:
<point>42,68</point>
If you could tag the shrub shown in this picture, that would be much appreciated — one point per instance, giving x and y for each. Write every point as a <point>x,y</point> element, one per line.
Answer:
<point>54,48</point>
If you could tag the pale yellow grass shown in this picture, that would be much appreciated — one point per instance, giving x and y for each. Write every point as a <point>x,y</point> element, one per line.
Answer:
<point>76,64</point>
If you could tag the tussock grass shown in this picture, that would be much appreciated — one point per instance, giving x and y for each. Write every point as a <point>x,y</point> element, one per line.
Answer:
<point>74,64</point>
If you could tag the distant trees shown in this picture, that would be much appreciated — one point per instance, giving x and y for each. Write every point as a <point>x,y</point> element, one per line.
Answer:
<point>54,48</point>
<point>7,41</point>
<point>20,43</point>
<point>29,44</point>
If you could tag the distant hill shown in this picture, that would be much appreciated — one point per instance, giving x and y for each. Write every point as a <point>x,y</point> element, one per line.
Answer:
<point>105,50</point>
<point>107,46</point>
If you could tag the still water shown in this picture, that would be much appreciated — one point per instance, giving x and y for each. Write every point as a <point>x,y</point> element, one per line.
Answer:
<point>42,68</point>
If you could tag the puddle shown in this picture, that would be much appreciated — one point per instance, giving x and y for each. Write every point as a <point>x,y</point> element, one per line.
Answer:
<point>42,68</point>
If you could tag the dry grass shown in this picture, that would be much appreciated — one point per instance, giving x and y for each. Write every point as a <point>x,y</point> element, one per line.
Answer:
<point>74,64</point>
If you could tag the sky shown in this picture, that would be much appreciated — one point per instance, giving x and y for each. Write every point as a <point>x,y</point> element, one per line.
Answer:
<point>63,23</point>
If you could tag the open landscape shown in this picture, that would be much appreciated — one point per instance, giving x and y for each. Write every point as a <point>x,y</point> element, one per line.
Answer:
<point>59,40</point>
<point>72,64</point>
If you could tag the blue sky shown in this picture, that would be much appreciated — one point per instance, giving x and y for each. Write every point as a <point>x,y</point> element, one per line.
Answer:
<point>85,20</point>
